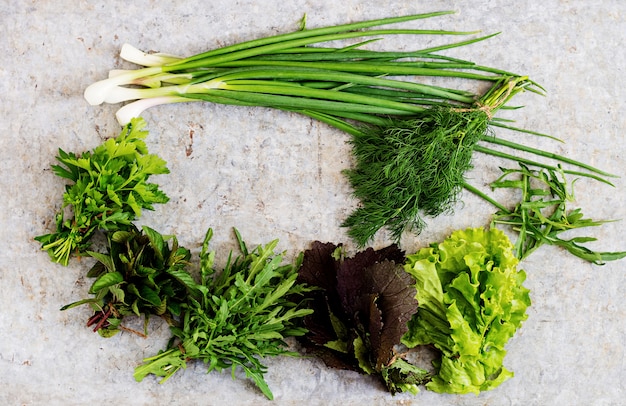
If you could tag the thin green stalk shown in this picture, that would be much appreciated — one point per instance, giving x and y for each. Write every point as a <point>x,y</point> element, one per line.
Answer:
<point>327,53</point>
<point>316,74</point>
<point>291,102</point>
<point>499,122</point>
<point>279,46</point>
<point>504,155</point>
<point>551,155</point>
<point>485,197</point>
<point>370,68</point>
<point>317,32</point>
<point>330,120</point>
<point>323,95</point>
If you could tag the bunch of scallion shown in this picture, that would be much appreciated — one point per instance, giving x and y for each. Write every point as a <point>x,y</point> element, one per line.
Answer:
<point>413,141</point>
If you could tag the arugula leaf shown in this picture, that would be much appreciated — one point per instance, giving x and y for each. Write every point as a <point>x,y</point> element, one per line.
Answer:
<point>361,311</point>
<point>109,190</point>
<point>236,316</point>
<point>471,302</point>
<point>140,274</point>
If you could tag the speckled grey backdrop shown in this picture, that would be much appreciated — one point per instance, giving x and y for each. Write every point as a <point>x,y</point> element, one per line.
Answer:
<point>274,175</point>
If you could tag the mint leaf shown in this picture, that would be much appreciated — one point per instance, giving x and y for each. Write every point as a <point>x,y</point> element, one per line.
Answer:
<point>143,272</point>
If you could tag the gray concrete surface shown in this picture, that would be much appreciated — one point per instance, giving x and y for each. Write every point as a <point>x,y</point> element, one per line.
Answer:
<point>275,175</point>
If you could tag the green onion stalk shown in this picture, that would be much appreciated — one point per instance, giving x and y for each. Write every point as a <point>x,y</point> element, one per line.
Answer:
<point>413,141</point>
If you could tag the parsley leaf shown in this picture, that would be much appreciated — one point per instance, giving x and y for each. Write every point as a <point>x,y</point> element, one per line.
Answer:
<point>108,191</point>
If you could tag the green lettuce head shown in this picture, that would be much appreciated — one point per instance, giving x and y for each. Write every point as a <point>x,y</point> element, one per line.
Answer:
<point>471,301</point>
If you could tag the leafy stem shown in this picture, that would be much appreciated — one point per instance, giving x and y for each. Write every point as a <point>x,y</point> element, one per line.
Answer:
<point>542,214</point>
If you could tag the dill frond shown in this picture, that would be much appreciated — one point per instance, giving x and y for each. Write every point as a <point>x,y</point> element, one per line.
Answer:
<point>410,168</point>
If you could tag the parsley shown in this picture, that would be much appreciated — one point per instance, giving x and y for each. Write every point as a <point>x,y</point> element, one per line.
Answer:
<point>108,192</point>
<point>236,316</point>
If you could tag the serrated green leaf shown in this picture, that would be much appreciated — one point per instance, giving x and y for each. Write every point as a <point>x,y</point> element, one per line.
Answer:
<point>108,332</point>
<point>106,280</point>
<point>64,173</point>
<point>132,203</point>
<point>78,303</point>
<point>156,242</point>
<point>280,291</point>
<point>361,353</point>
<point>135,307</point>
<point>149,295</point>
<point>104,259</point>
<point>96,270</point>
<point>114,197</point>
<point>118,293</point>
<point>184,278</point>
<point>121,236</point>
<point>152,165</point>
<point>160,309</point>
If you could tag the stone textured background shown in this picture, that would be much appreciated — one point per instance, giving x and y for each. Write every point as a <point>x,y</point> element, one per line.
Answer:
<point>276,175</point>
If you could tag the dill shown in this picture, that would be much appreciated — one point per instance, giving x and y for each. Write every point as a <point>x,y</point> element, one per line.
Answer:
<point>411,166</point>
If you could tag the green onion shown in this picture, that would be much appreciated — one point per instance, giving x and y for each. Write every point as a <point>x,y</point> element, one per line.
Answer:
<point>403,129</point>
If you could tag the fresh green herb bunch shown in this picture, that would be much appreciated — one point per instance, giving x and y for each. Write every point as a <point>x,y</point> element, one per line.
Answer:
<point>236,316</point>
<point>411,167</point>
<point>347,87</point>
<point>542,214</point>
<point>140,275</point>
<point>108,192</point>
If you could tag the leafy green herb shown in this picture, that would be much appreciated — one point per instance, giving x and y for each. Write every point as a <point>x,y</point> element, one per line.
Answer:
<point>108,192</point>
<point>542,214</point>
<point>471,302</point>
<point>140,274</point>
<point>410,167</point>
<point>236,316</point>
<point>361,310</point>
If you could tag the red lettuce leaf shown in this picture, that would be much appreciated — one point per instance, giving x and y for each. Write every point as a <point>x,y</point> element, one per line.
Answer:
<point>367,298</point>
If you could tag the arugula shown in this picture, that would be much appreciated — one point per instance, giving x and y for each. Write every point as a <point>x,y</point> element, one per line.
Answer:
<point>542,214</point>
<point>471,302</point>
<point>236,316</point>
<point>361,309</point>
<point>140,274</point>
<point>108,192</point>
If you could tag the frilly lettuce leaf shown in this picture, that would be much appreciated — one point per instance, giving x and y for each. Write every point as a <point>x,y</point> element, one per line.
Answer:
<point>471,302</point>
